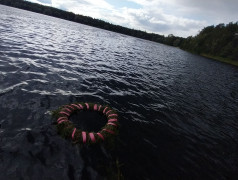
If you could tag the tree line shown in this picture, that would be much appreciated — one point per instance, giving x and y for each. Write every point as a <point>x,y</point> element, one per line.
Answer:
<point>220,40</point>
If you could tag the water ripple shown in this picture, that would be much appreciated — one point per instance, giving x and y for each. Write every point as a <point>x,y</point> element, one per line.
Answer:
<point>177,114</point>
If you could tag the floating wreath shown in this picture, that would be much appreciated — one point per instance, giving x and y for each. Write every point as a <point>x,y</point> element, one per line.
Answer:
<point>67,129</point>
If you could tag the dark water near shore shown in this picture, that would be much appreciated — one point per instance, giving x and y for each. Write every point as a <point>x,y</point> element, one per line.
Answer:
<point>178,112</point>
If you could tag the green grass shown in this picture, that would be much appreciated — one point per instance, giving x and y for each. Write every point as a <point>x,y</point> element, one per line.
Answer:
<point>225,60</point>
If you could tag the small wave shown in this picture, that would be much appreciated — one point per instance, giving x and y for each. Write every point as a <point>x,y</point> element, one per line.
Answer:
<point>11,88</point>
<point>41,92</point>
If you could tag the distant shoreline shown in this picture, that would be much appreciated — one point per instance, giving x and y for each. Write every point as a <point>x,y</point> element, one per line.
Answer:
<point>224,60</point>
<point>215,58</point>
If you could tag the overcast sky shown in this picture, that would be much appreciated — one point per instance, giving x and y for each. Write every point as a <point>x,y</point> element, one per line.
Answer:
<point>178,17</point>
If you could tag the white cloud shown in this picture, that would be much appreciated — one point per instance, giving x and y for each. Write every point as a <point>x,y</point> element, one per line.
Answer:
<point>158,22</point>
<point>211,11</point>
<point>43,2</point>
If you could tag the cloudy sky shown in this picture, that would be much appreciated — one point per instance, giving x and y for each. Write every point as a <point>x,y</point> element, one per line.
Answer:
<point>178,17</point>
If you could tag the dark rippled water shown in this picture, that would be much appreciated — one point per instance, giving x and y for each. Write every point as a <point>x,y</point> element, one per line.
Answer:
<point>178,111</point>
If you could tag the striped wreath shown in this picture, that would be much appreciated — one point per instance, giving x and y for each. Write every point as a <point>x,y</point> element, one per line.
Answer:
<point>67,129</point>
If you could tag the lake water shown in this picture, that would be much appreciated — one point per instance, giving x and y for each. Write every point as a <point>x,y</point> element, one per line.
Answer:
<point>178,111</point>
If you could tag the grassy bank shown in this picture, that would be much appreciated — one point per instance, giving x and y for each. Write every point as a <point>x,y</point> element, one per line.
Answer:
<point>225,60</point>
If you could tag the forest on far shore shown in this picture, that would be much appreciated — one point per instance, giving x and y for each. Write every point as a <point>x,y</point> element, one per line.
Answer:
<point>218,42</point>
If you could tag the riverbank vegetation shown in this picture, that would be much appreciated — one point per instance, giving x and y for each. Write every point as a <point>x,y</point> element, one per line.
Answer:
<point>217,42</point>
